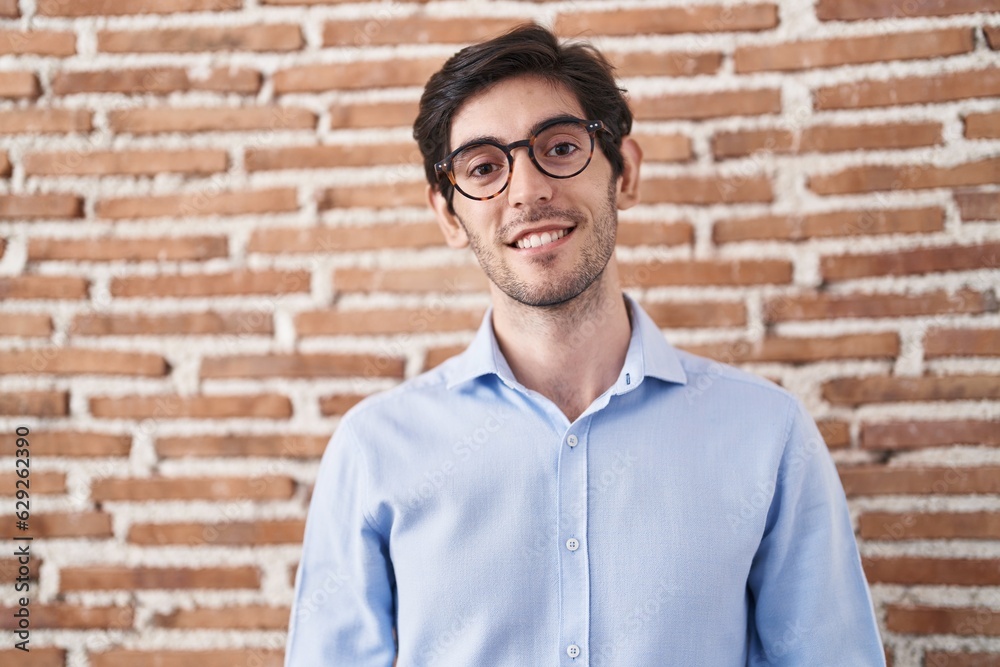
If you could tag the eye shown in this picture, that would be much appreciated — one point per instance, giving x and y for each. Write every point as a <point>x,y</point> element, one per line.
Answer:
<point>563,149</point>
<point>483,169</point>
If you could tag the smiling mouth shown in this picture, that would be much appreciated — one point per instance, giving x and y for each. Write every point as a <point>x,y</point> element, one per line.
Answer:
<point>541,239</point>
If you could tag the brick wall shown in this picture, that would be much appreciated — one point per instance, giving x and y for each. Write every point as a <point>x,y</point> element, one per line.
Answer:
<point>213,242</point>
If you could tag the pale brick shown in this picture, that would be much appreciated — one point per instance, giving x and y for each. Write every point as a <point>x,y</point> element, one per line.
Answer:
<point>301,365</point>
<point>909,90</point>
<point>156,578</point>
<point>38,656</point>
<point>124,7</point>
<point>233,533</point>
<point>77,361</point>
<point>17,85</point>
<point>706,272</point>
<point>667,20</point>
<point>210,119</point>
<point>41,206</point>
<point>200,204</point>
<point>45,121</point>
<point>59,525</point>
<point>212,284</point>
<point>254,38</point>
<point>854,10</point>
<point>345,238</point>
<point>447,279</point>
<point>210,446</point>
<point>174,324</point>
<point>665,147</point>
<point>155,81</point>
<point>357,75</point>
<point>414,30</point>
<point>331,157</point>
<point>167,406</point>
<point>180,248</point>
<point>271,487</point>
<point>25,324</point>
<point>54,43</point>
<point>706,190</point>
<point>43,287</point>
<point>373,114</point>
<point>255,657</point>
<point>671,63</point>
<point>681,314</point>
<point>699,106</point>
<point>380,321</point>
<point>654,233</point>
<point>822,225</point>
<point>388,195</point>
<point>137,163</point>
<point>802,350</point>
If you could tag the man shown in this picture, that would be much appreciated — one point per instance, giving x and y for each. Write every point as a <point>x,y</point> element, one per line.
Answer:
<point>570,490</point>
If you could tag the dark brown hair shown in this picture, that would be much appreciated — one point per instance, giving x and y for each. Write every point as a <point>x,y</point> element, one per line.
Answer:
<point>527,49</point>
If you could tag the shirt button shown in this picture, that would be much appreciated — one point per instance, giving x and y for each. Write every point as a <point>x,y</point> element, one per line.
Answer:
<point>571,440</point>
<point>572,544</point>
<point>573,650</point>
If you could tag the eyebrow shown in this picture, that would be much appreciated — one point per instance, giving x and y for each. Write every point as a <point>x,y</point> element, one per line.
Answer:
<point>532,130</point>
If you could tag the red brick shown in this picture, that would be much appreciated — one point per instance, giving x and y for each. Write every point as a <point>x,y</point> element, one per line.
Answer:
<point>19,85</point>
<point>199,204</point>
<point>836,434</point>
<point>667,20</point>
<point>25,324</point>
<point>345,238</point>
<point>338,404</point>
<point>945,659</point>
<point>438,355</point>
<point>825,139</point>
<point>961,342</point>
<point>235,283</point>
<point>992,34</point>
<point>924,526</point>
<point>302,365</point>
<point>331,156</point>
<point>698,106</point>
<point>186,324</point>
<point>36,403</point>
<point>32,207</point>
<point>706,272</point>
<point>64,616</point>
<point>977,205</point>
<point>37,42</point>
<point>245,617</point>
<point>388,195</point>
<point>139,163</point>
<point>10,569</point>
<point>77,361</point>
<point>823,225</point>
<point>853,50</point>
<point>211,119</point>
<point>5,170</point>
<point>23,121</point>
<point>881,480</point>
<point>357,75</point>
<point>73,444</point>
<point>167,406</point>
<point>55,525</point>
<point>982,125</point>
<point>378,321</point>
<point>671,63</point>
<point>706,190</point>
<point>177,248</point>
<point>882,389</point>
<point>679,314</point>
<point>447,279</point>
<point>43,287</point>
<point>155,81</point>
<point>254,657</point>
<point>872,178</point>
<point>212,446</point>
<point>256,38</point>
<point>909,262</point>
<point>854,10</point>
<point>373,114</point>
<point>153,578</point>
<point>665,147</point>
<point>45,483</point>
<point>634,233</point>
<point>121,7</point>
<point>824,306</point>
<point>914,434</point>
<point>941,571</point>
<point>37,657</point>
<point>415,29</point>
<point>802,350</point>
<point>924,620</point>
<point>193,488</point>
<point>234,533</point>
<point>910,90</point>
<point>10,10</point>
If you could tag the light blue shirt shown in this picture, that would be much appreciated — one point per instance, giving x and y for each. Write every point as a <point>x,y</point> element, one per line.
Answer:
<point>691,516</point>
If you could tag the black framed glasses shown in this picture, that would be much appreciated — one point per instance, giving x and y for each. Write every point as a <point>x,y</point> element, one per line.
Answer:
<point>561,148</point>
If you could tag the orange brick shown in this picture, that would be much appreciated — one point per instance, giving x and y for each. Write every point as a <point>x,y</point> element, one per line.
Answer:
<point>706,190</point>
<point>414,30</point>
<point>145,163</point>
<point>25,325</point>
<point>665,147</point>
<point>925,620</point>
<point>983,125</point>
<point>802,350</point>
<point>32,207</point>
<point>676,63</point>
<point>155,81</point>
<point>373,114</point>
<point>186,324</point>
<point>698,106</point>
<point>5,170</point>
<point>836,434</point>
<point>43,287</point>
<point>55,43</point>
<point>910,262</point>
<point>234,533</point>
<point>77,361</point>
<point>212,284</point>
<point>338,404</point>
<point>271,487</point>
<point>379,321</point>
<point>330,157</point>
<point>10,10</point>
<point>835,223</point>
<point>941,571</point>
<point>154,578</point>
<point>976,205</point>
<point>73,444</point>
<point>945,659</point>
<point>62,616</point>
<point>246,617</point>
<point>38,657</point>
<point>388,195</point>
<point>992,34</point>
<point>450,280</point>
<point>961,342</point>
<point>853,50</point>
<point>925,526</point>
<point>10,569</point>
<point>910,90</point>
<point>873,178</point>
<point>178,248</point>
<point>199,204</point>
<point>854,10</point>
<point>117,7</point>
<point>161,658</point>
<point>438,355</point>
<point>256,38</point>
<point>45,483</point>
<point>211,446</point>
<point>167,406</point>
<point>667,20</point>
<point>23,121</point>
<point>63,525</point>
<point>358,75</point>
<point>632,233</point>
<point>302,365</point>
<point>914,434</point>
<point>823,306</point>
<point>881,389</point>
<point>880,480</point>
<point>706,272</point>
<point>679,314</point>
<point>19,85</point>
<point>211,119</point>
<point>826,139</point>
<point>36,403</point>
<point>345,238</point>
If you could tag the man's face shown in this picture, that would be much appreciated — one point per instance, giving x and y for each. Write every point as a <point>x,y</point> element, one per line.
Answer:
<point>583,207</point>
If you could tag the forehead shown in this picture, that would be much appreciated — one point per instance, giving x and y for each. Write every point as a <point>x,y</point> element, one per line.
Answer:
<point>509,109</point>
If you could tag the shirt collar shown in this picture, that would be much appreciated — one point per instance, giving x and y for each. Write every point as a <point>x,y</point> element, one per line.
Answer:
<point>649,354</point>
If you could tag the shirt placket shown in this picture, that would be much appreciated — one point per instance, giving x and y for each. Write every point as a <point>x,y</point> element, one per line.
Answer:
<point>574,572</point>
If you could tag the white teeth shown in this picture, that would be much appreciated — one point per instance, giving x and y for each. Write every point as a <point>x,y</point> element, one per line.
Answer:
<point>535,240</point>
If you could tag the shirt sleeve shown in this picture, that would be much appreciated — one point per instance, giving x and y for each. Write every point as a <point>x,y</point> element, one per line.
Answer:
<point>343,609</point>
<point>811,603</point>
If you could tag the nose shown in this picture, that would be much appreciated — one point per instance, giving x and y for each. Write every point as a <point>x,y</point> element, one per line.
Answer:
<point>528,186</point>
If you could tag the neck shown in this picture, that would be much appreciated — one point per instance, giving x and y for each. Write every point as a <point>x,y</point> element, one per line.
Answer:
<point>570,353</point>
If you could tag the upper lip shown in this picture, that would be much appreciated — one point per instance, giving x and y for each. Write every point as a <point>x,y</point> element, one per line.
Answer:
<point>538,230</point>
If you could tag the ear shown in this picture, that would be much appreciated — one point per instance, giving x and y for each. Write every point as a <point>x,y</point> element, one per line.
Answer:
<point>454,232</point>
<point>628,190</point>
